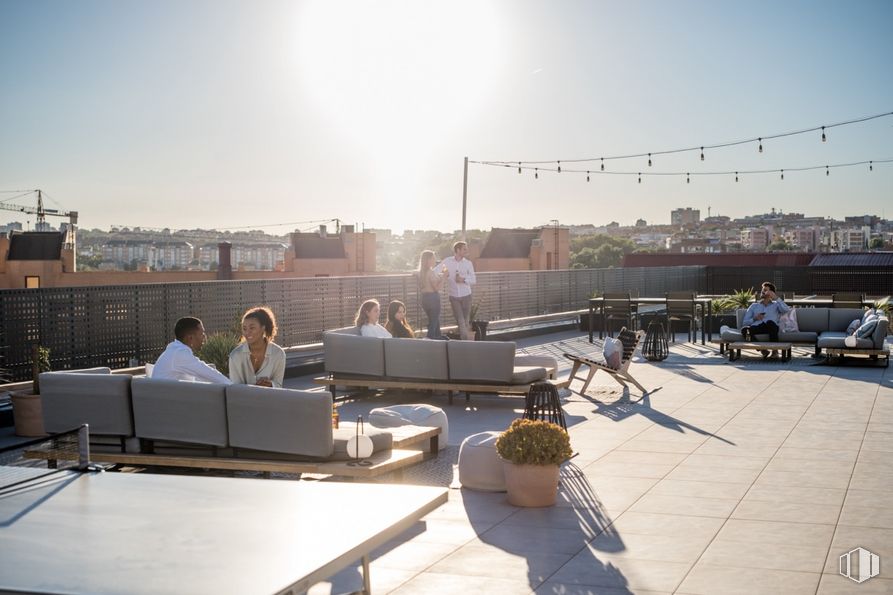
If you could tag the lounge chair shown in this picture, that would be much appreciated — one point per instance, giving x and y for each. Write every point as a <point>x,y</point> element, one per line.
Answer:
<point>630,341</point>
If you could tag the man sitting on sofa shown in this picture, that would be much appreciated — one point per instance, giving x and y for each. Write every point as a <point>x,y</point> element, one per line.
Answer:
<point>762,316</point>
<point>178,362</point>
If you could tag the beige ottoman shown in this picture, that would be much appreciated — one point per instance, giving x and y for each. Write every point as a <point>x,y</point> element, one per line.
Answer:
<point>415,415</point>
<point>540,361</point>
<point>480,468</point>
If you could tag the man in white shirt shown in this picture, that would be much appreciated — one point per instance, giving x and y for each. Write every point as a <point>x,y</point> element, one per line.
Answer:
<point>460,278</point>
<point>178,362</point>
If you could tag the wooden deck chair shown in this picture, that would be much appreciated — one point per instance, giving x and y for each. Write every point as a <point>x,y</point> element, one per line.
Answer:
<point>630,341</point>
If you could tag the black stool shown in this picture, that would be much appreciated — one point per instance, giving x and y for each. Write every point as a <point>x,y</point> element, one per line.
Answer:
<point>543,403</point>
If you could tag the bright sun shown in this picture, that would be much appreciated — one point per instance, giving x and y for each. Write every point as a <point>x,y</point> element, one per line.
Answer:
<point>394,77</point>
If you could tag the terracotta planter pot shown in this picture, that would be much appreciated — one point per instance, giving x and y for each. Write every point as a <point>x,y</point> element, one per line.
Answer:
<point>27,410</point>
<point>531,485</point>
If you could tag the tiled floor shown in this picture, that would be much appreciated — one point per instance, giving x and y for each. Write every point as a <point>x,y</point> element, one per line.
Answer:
<point>752,477</point>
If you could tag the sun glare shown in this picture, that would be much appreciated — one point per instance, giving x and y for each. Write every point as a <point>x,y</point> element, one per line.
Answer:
<point>394,77</point>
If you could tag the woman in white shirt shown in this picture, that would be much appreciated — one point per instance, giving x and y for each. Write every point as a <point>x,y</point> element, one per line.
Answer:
<point>257,360</point>
<point>367,320</point>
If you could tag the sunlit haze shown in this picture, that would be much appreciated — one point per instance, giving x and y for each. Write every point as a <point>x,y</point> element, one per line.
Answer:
<point>281,114</point>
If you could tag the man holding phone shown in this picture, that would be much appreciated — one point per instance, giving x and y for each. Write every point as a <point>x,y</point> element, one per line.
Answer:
<point>762,316</point>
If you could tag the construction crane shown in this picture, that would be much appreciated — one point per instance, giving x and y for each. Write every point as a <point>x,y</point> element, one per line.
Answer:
<point>40,211</point>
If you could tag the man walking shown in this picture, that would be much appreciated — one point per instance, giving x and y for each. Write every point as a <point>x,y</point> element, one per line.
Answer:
<point>460,278</point>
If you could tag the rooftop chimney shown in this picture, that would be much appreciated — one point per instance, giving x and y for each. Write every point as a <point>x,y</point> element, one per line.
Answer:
<point>224,261</point>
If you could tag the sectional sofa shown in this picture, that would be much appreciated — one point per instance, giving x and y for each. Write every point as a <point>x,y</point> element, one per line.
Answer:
<point>825,328</point>
<point>467,366</point>
<point>144,417</point>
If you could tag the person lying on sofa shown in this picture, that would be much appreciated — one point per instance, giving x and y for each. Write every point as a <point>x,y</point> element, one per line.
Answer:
<point>762,316</point>
<point>396,323</point>
<point>257,360</point>
<point>367,320</point>
<point>178,362</point>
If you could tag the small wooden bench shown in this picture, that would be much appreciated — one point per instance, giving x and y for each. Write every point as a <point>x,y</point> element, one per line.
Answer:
<point>871,353</point>
<point>387,461</point>
<point>737,347</point>
<point>468,388</point>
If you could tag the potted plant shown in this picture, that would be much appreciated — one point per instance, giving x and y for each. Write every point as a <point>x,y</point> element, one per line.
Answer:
<point>27,409</point>
<point>532,452</point>
<point>724,308</point>
<point>217,348</point>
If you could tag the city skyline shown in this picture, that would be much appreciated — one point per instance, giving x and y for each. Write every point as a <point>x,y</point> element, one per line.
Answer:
<point>224,114</point>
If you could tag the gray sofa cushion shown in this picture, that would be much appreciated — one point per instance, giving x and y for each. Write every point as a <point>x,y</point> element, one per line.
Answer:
<point>279,419</point>
<point>180,411</point>
<point>836,339</point>
<point>101,400</point>
<point>798,337</point>
<point>731,335</point>
<point>481,361</point>
<point>352,354</point>
<point>840,318</point>
<point>880,333</point>
<point>813,320</point>
<point>528,374</point>
<point>415,358</point>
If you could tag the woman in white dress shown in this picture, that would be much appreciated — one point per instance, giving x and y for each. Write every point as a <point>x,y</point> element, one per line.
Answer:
<point>257,360</point>
<point>367,320</point>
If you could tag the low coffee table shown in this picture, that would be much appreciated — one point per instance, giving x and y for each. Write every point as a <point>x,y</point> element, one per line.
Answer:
<point>736,348</point>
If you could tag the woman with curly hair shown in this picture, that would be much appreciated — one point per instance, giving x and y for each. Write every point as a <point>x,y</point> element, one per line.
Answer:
<point>257,360</point>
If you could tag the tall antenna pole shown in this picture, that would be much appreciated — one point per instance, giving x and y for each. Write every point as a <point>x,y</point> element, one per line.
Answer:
<point>464,196</point>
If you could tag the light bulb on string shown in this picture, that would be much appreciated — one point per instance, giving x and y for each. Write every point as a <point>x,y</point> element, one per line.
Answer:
<point>519,167</point>
<point>559,167</point>
<point>824,138</point>
<point>640,177</point>
<point>782,174</point>
<point>827,172</point>
<point>603,164</point>
<point>870,166</point>
<point>687,178</point>
<point>702,153</point>
<point>587,175</point>
<point>736,176</point>
<point>536,173</point>
<point>649,159</point>
<point>761,144</point>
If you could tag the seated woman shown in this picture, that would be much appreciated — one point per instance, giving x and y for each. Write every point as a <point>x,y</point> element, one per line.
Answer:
<point>396,323</point>
<point>257,360</point>
<point>367,320</point>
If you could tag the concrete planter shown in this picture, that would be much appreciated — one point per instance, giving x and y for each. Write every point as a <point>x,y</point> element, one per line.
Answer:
<point>27,410</point>
<point>531,486</point>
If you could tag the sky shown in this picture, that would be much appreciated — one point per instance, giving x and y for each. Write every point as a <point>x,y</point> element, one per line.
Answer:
<point>279,115</point>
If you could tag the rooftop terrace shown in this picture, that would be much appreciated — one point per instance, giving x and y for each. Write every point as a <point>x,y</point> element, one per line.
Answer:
<point>744,477</point>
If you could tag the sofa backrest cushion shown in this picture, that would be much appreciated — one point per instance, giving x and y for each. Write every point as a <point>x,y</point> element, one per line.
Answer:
<point>416,358</point>
<point>181,411</point>
<point>351,354</point>
<point>280,420</point>
<point>880,333</point>
<point>815,320</point>
<point>101,400</point>
<point>840,318</point>
<point>481,361</point>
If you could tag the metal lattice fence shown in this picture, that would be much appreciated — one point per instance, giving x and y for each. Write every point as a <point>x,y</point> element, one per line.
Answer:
<point>114,325</point>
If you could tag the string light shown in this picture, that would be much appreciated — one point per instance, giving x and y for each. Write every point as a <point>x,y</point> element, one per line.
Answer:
<point>640,177</point>
<point>761,145</point>
<point>870,168</point>
<point>519,167</point>
<point>702,153</point>
<point>736,176</point>
<point>782,174</point>
<point>603,164</point>
<point>649,159</point>
<point>587,176</point>
<point>824,138</point>
<point>536,173</point>
<point>687,178</point>
<point>827,172</point>
<point>559,167</point>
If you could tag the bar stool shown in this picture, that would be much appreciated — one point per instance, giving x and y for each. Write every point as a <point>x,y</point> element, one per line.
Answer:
<point>544,404</point>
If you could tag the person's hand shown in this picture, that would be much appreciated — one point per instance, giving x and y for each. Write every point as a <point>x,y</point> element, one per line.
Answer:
<point>761,316</point>
<point>771,294</point>
<point>264,381</point>
<point>460,278</point>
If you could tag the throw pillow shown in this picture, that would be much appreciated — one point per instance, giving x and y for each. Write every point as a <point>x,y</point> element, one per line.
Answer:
<point>788,322</point>
<point>867,313</point>
<point>866,330</point>
<point>853,326</point>
<point>613,352</point>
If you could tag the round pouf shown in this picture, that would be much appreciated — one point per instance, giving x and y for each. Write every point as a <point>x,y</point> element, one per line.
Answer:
<point>415,415</point>
<point>480,468</point>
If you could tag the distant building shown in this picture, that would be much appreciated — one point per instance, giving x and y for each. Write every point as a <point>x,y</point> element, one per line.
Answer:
<point>14,226</point>
<point>27,258</point>
<point>805,238</point>
<point>754,238</point>
<point>850,240</point>
<point>540,249</point>
<point>686,216</point>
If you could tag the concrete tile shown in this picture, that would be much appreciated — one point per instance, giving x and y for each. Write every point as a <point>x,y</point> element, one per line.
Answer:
<point>700,489</point>
<point>819,467</point>
<point>695,472</point>
<point>645,445</point>
<point>604,468</point>
<point>776,533</point>
<point>556,588</point>
<point>835,584</point>
<point>795,512</point>
<point>431,583</point>
<point>847,538</point>
<point>802,558</point>
<point>865,477</point>
<point>483,560</point>
<point>601,570</point>
<point>772,492</point>
<point>669,525</point>
<point>682,547</point>
<point>350,580</point>
<point>524,539</point>
<point>867,509</point>
<point>709,507</point>
<point>414,556</point>
<point>705,579</point>
<point>805,479</point>
<point>881,441</point>
<point>728,462</point>
<point>819,454</point>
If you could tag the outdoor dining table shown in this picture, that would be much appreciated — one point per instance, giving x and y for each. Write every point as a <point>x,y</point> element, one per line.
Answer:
<point>705,303</point>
